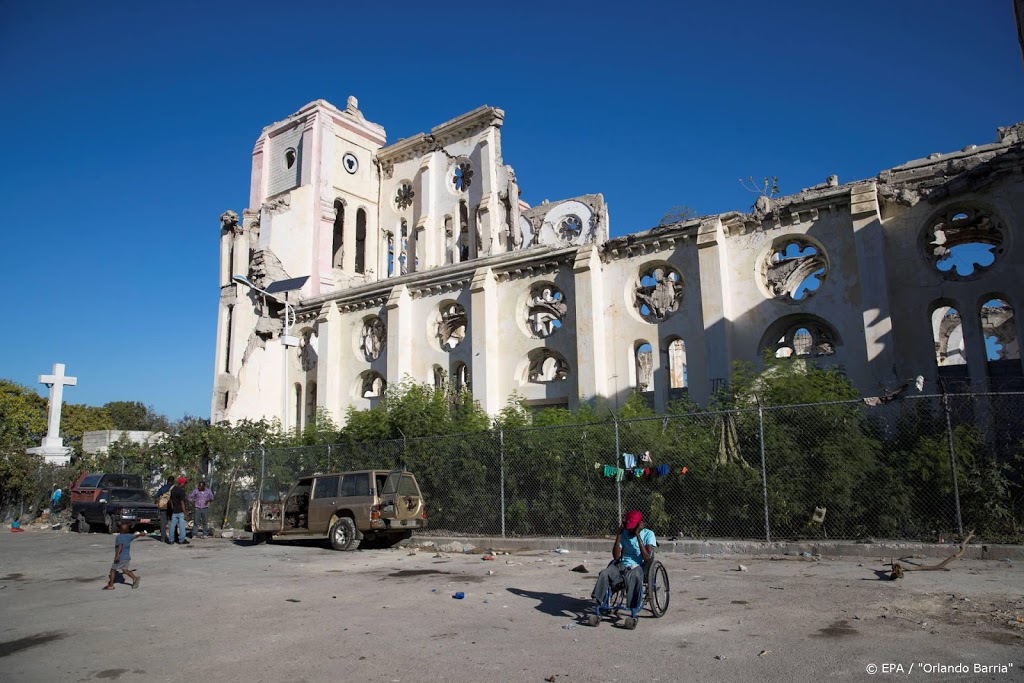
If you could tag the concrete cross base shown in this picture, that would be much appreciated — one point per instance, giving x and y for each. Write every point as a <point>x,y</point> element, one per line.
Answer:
<point>59,455</point>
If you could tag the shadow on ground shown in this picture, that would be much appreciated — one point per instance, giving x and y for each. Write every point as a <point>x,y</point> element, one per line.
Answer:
<point>555,604</point>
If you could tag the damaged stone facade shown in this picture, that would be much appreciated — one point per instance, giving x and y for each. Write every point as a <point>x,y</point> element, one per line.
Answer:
<point>424,263</point>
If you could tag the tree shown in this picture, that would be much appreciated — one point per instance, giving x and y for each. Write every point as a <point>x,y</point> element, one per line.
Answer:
<point>136,416</point>
<point>677,214</point>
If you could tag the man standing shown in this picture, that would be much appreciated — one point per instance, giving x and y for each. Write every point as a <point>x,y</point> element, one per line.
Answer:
<point>163,500</point>
<point>201,498</point>
<point>177,509</point>
<point>55,499</point>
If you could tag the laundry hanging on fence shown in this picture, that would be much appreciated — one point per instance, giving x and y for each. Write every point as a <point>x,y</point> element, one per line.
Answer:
<point>638,473</point>
<point>629,460</point>
<point>662,470</point>
<point>646,457</point>
<point>609,470</point>
<point>620,474</point>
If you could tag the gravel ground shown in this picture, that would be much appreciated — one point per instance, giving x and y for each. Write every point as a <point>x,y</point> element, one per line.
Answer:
<point>226,611</point>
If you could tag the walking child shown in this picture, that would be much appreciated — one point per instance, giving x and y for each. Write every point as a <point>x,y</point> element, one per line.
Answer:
<point>122,557</point>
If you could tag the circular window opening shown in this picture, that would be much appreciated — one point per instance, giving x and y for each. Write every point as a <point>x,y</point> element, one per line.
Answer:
<point>570,228</point>
<point>963,242</point>
<point>404,196</point>
<point>350,162</point>
<point>545,310</point>
<point>451,325</point>
<point>289,158</point>
<point>659,292</point>
<point>462,176</point>
<point>794,269</point>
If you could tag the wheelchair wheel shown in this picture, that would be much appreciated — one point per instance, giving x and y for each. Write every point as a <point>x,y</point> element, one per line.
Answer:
<point>593,620</point>
<point>629,623</point>
<point>658,589</point>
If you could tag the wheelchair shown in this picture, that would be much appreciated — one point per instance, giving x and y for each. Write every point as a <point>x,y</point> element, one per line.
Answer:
<point>655,597</point>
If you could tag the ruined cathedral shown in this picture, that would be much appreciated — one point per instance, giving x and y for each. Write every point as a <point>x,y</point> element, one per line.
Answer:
<point>366,264</point>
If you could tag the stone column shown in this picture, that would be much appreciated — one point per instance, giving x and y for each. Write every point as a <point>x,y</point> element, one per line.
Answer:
<point>591,332</point>
<point>713,257</point>
<point>400,335</point>
<point>869,241</point>
<point>485,336</point>
<point>330,368</point>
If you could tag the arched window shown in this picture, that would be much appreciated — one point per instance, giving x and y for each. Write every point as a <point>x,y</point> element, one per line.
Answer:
<point>461,375</point>
<point>800,336</point>
<point>371,385</point>
<point>546,366</point>
<point>677,380</point>
<point>361,241</point>
<point>438,377</point>
<point>643,356</point>
<point>463,231</point>
<point>403,255</point>
<point>339,234</point>
<point>999,328</point>
<point>391,254</point>
<point>948,333</point>
<point>311,404</point>
<point>449,240</point>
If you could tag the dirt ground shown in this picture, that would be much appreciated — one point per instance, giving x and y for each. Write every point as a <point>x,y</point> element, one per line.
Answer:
<point>226,611</point>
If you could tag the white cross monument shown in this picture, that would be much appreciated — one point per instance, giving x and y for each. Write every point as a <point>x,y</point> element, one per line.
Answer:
<point>53,449</point>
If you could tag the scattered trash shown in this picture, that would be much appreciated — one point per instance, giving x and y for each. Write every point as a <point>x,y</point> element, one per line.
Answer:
<point>777,588</point>
<point>741,568</point>
<point>561,551</point>
<point>56,526</point>
<point>762,653</point>
<point>514,564</point>
<point>805,554</point>
<point>486,601</point>
<point>433,590</point>
<point>459,596</point>
<point>490,572</point>
<point>292,600</point>
<point>720,657</point>
<point>334,597</point>
<point>705,556</point>
<point>568,627</point>
<point>551,679</point>
<point>580,569</point>
<point>487,557</point>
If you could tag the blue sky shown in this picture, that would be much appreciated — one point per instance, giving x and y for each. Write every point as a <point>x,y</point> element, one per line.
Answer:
<point>128,128</point>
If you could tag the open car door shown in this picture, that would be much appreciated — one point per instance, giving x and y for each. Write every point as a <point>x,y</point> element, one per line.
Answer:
<point>401,501</point>
<point>268,509</point>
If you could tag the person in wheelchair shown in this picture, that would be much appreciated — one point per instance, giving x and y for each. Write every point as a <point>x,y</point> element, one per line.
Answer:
<point>634,545</point>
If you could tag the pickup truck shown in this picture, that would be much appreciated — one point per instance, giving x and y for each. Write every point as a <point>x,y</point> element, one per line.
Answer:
<point>109,499</point>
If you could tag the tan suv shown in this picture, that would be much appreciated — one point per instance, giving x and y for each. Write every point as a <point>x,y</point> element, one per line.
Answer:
<point>377,506</point>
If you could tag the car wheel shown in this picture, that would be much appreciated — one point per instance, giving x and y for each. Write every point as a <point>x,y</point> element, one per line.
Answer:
<point>83,526</point>
<point>343,533</point>
<point>109,521</point>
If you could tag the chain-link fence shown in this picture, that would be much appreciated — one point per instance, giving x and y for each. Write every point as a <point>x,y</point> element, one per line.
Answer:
<point>923,468</point>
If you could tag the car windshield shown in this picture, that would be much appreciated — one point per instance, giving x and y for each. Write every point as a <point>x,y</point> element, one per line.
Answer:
<point>129,496</point>
<point>126,480</point>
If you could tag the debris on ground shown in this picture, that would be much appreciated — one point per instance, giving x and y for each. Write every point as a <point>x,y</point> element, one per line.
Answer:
<point>762,653</point>
<point>487,557</point>
<point>580,569</point>
<point>898,569</point>
<point>741,568</point>
<point>292,600</point>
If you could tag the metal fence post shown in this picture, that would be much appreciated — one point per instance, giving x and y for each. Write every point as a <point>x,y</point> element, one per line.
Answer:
<point>263,464</point>
<point>764,473</point>
<point>952,463</point>
<point>618,463</point>
<point>501,445</point>
<point>328,457</point>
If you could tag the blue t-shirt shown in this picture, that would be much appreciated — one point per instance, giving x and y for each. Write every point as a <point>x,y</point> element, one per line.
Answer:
<point>125,541</point>
<point>631,555</point>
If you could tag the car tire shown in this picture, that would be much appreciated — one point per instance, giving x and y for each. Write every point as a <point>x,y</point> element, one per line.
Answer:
<point>343,534</point>
<point>109,521</point>
<point>83,526</point>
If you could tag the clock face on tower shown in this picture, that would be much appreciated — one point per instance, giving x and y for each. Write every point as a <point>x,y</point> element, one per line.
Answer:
<point>350,162</point>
